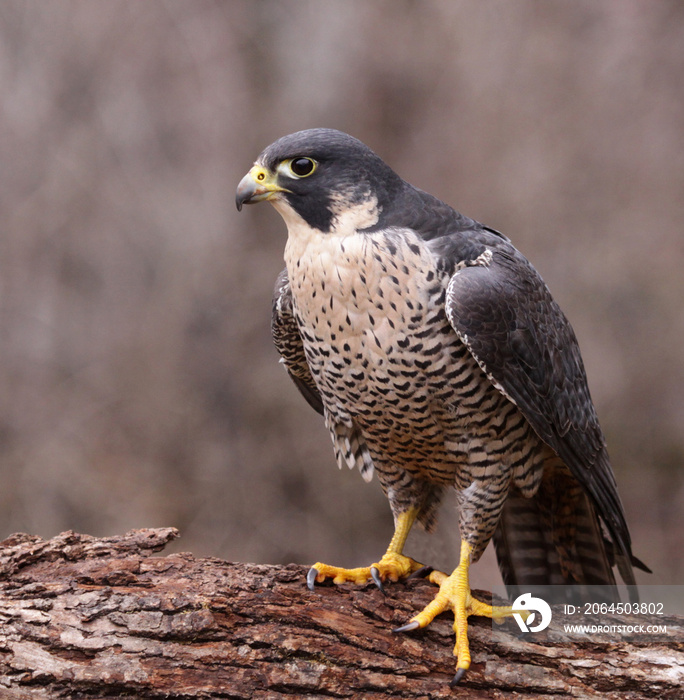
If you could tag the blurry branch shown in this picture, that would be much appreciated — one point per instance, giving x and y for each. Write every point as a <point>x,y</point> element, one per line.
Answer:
<point>83,616</point>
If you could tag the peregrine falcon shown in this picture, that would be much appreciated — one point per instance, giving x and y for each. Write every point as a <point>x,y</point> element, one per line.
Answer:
<point>438,359</point>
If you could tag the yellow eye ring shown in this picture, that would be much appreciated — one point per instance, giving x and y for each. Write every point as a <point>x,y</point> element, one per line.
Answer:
<point>302,167</point>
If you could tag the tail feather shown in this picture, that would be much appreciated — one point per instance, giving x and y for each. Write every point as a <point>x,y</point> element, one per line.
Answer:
<point>524,549</point>
<point>555,538</point>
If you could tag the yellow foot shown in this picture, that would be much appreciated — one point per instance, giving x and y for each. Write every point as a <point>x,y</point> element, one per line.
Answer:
<point>454,594</point>
<point>391,567</point>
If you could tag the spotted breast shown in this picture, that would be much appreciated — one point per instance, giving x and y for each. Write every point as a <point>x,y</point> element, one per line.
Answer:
<point>386,361</point>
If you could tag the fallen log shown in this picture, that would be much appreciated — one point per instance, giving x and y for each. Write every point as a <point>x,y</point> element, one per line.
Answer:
<point>86,617</point>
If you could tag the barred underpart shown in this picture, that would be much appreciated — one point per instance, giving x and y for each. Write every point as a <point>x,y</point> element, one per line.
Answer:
<point>401,393</point>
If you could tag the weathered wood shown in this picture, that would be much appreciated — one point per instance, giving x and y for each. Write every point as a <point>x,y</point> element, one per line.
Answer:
<point>108,618</point>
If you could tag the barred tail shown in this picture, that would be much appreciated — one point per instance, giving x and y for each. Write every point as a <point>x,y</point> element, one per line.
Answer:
<point>554,538</point>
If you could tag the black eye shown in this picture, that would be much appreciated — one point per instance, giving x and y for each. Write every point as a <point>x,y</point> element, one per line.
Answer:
<point>302,167</point>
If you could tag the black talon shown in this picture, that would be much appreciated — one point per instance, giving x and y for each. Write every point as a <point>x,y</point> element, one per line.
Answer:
<point>311,578</point>
<point>423,572</point>
<point>459,674</point>
<point>375,575</point>
<point>408,627</point>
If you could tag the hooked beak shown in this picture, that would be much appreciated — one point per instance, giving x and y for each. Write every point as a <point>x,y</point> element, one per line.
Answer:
<point>257,185</point>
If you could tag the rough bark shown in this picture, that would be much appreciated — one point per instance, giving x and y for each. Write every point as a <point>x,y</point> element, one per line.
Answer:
<point>109,618</point>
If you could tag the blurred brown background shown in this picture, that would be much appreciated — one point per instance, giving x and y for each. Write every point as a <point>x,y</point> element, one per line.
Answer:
<point>139,386</point>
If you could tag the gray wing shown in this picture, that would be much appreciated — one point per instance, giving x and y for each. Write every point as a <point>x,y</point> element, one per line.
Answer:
<point>350,446</point>
<point>501,309</point>
<point>289,343</point>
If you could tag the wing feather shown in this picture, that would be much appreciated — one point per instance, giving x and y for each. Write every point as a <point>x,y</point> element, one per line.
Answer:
<point>504,313</point>
<point>288,342</point>
<point>349,444</point>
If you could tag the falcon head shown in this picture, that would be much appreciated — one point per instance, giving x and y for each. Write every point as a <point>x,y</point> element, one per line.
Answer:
<point>323,177</point>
